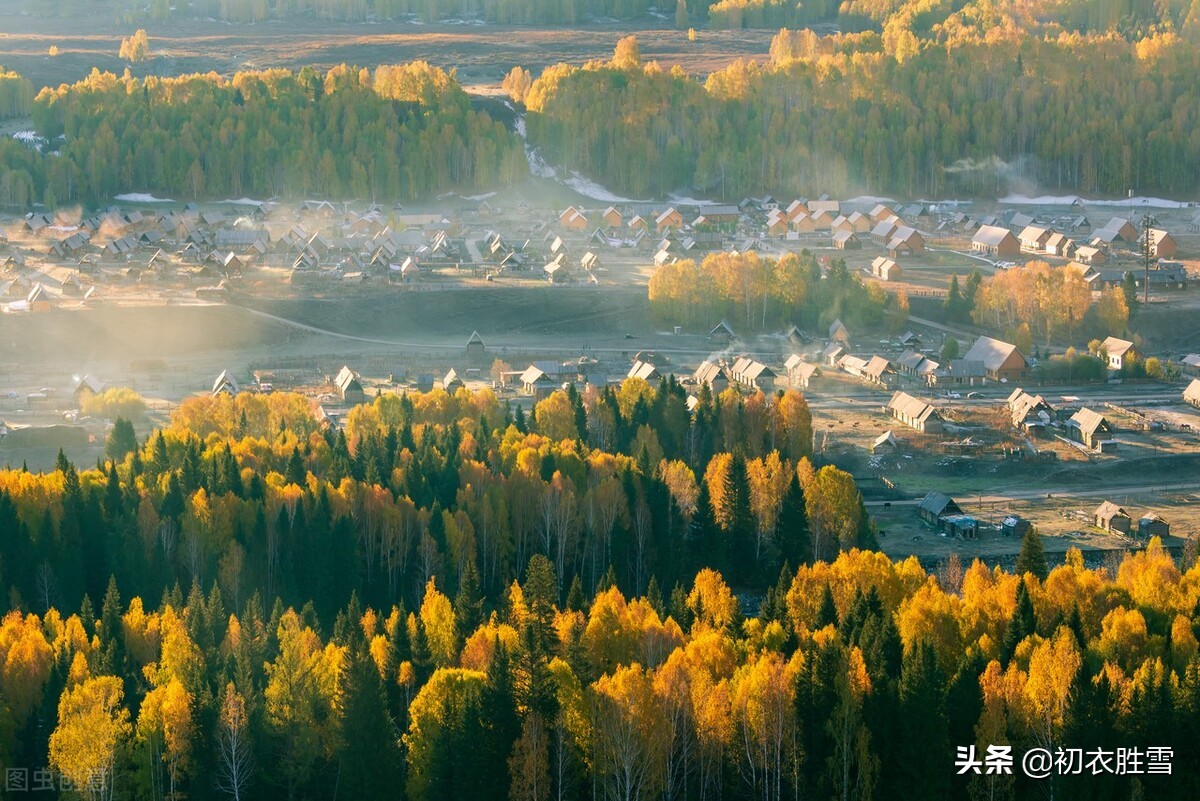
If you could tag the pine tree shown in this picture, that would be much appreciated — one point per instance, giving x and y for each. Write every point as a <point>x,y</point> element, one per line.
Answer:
<point>1032,558</point>
<point>827,615</point>
<point>924,735</point>
<point>739,528</point>
<point>1022,624</point>
<point>791,527</point>
<point>121,440</point>
<point>704,536</point>
<point>367,754</point>
<point>468,601</point>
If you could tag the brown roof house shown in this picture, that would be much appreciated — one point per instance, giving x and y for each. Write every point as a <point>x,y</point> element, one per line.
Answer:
<point>1001,360</point>
<point>992,240</point>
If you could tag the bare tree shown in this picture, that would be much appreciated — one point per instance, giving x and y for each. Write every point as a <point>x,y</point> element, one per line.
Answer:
<point>235,760</point>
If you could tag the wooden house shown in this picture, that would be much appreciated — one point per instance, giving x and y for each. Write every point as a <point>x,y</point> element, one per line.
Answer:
<point>1110,517</point>
<point>1162,244</point>
<point>1089,428</point>
<point>905,241</point>
<point>535,382</point>
<point>847,240</point>
<point>349,387</point>
<point>1001,360</point>
<point>1191,394</point>
<point>997,242</point>
<point>914,412</point>
<point>721,332</point>
<point>886,269</point>
<point>711,375</point>
<point>1153,525</point>
<point>799,372</point>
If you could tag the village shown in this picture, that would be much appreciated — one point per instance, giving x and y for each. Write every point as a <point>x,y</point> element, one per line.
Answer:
<point>953,454</point>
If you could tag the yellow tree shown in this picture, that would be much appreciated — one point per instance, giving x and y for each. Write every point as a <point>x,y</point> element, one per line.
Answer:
<point>764,712</point>
<point>92,728</point>
<point>628,734</point>
<point>441,629</point>
<point>1052,668</point>
<point>165,728</point>
<point>25,662</point>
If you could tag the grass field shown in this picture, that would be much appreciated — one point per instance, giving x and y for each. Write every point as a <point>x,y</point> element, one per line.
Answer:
<point>481,54</point>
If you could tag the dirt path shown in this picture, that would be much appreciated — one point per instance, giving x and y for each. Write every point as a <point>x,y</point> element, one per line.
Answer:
<point>1059,492</point>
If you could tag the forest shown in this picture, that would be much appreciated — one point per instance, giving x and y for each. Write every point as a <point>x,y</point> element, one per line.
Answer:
<point>863,112</point>
<point>452,599</point>
<point>761,293</point>
<point>398,132</point>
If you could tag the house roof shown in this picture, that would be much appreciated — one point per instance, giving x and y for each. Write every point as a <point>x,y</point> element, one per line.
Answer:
<point>1088,421</point>
<point>1192,393</point>
<point>534,375</point>
<point>1116,347</point>
<point>225,382</point>
<point>911,408</point>
<point>886,438</point>
<point>643,370</point>
<point>877,366</point>
<point>708,372</point>
<point>939,503</point>
<point>756,370</point>
<point>832,350</point>
<point>721,327</point>
<point>991,235</point>
<point>1034,233</point>
<point>1191,360</point>
<point>345,378</point>
<point>910,359</point>
<point>1108,510</point>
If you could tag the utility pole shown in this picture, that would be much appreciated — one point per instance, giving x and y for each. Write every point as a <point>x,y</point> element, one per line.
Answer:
<point>1148,222</point>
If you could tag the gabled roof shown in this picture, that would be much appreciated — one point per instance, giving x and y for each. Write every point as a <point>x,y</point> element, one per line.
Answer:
<point>913,409</point>
<point>1192,393</point>
<point>474,338</point>
<point>721,328</point>
<point>1108,510</point>
<point>1088,421</point>
<point>877,366</point>
<point>939,503</point>
<point>643,370</point>
<point>708,372</point>
<point>534,375</point>
<point>886,438</point>
<point>346,379</point>
<point>991,235</point>
<point>1116,347</point>
<point>225,382</point>
<point>756,370</point>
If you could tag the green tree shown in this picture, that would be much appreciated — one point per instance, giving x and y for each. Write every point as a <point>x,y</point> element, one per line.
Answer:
<point>1032,558</point>
<point>121,440</point>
